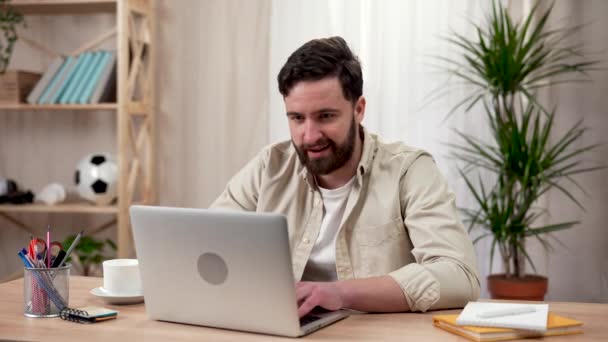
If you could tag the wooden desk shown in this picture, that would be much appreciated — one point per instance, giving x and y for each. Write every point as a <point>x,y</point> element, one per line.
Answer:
<point>133,325</point>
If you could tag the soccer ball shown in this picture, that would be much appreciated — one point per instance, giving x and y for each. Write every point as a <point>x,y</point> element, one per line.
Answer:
<point>96,178</point>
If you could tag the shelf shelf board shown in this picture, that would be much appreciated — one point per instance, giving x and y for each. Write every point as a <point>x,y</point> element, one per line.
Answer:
<point>58,107</point>
<point>59,208</point>
<point>59,7</point>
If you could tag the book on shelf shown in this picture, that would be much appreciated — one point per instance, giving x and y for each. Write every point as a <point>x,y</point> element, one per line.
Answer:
<point>87,90</point>
<point>69,86</point>
<point>57,80</point>
<point>556,325</point>
<point>47,77</point>
<point>105,89</point>
<point>87,78</point>
<point>64,83</point>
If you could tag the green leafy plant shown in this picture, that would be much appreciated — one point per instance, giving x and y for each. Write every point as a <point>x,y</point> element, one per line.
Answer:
<point>9,19</point>
<point>505,64</point>
<point>90,252</point>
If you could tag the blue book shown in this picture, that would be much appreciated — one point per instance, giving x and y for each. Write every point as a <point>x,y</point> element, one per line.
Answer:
<point>88,73</point>
<point>57,80</point>
<point>106,86</point>
<point>46,79</point>
<point>68,79</point>
<point>69,88</point>
<point>95,76</point>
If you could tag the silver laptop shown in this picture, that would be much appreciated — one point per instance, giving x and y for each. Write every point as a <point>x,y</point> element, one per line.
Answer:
<point>223,269</point>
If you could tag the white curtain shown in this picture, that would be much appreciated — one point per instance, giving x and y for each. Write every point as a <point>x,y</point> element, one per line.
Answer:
<point>394,41</point>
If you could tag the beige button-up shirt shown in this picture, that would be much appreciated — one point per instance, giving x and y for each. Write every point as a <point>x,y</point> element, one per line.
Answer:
<point>400,220</point>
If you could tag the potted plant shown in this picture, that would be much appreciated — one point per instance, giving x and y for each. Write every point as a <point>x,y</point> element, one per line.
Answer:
<point>505,64</point>
<point>14,85</point>
<point>9,19</point>
<point>90,253</point>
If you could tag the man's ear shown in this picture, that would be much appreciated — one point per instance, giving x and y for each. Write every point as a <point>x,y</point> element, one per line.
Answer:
<point>360,109</point>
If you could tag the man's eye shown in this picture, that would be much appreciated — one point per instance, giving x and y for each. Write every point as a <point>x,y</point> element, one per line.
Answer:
<point>326,115</point>
<point>296,118</point>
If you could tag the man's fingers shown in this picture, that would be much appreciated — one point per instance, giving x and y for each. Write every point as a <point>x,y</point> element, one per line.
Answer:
<point>303,290</point>
<point>307,306</point>
<point>303,283</point>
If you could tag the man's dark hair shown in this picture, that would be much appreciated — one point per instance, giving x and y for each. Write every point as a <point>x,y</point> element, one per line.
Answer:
<point>321,58</point>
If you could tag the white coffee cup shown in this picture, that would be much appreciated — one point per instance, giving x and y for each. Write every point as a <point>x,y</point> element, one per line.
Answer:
<point>121,277</point>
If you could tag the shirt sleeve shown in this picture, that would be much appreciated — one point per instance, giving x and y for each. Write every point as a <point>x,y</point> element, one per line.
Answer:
<point>242,191</point>
<point>445,273</point>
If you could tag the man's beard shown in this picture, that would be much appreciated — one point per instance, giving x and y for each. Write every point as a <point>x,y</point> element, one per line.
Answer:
<point>338,156</point>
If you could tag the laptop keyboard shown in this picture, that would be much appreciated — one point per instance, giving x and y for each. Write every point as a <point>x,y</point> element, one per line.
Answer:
<point>309,319</point>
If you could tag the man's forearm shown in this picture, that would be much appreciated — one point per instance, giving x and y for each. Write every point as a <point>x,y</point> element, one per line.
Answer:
<point>377,294</point>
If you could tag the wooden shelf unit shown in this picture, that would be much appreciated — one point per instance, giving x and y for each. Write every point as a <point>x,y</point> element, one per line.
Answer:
<point>59,208</point>
<point>62,7</point>
<point>136,118</point>
<point>57,107</point>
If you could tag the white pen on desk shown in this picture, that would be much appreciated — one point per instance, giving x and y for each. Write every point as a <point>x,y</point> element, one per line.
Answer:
<point>507,312</point>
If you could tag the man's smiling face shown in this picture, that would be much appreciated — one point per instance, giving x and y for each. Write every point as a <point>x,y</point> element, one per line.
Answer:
<point>322,123</point>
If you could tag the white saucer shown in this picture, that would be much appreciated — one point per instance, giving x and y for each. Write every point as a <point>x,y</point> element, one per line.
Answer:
<point>111,298</point>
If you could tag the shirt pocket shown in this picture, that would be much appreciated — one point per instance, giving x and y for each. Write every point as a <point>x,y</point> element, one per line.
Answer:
<point>373,236</point>
<point>381,249</point>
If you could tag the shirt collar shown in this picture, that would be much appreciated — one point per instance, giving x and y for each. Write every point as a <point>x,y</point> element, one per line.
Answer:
<point>368,154</point>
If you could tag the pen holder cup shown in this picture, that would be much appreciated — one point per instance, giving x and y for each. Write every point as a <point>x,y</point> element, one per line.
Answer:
<point>45,291</point>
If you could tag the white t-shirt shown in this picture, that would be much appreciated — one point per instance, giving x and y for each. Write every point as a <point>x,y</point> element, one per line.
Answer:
<point>321,265</point>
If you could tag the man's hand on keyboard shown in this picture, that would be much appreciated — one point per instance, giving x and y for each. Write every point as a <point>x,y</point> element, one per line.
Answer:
<point>326,295</point>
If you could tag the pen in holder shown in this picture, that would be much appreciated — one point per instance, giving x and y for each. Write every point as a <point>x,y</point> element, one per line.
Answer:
<point>46,291</point>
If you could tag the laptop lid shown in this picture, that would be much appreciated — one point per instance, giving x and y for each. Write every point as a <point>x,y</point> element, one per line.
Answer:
<point>216,268</point>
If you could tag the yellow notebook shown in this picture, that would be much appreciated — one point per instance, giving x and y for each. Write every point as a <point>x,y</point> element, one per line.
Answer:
<point>556,325</point>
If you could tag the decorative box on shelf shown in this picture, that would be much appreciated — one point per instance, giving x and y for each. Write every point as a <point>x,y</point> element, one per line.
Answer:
<point>15,85</point>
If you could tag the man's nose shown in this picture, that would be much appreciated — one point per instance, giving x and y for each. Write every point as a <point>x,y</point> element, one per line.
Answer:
<point>312,133</point>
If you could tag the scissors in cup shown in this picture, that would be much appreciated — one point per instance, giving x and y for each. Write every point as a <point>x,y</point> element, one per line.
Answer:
<point>38,251</point>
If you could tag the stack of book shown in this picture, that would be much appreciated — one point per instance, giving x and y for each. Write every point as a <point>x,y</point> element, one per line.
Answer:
<point>510,321</point>
<point>87,78</point>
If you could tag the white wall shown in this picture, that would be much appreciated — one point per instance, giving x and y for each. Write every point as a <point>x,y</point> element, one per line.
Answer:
<point>213,103</point>
<point>578,271</point>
